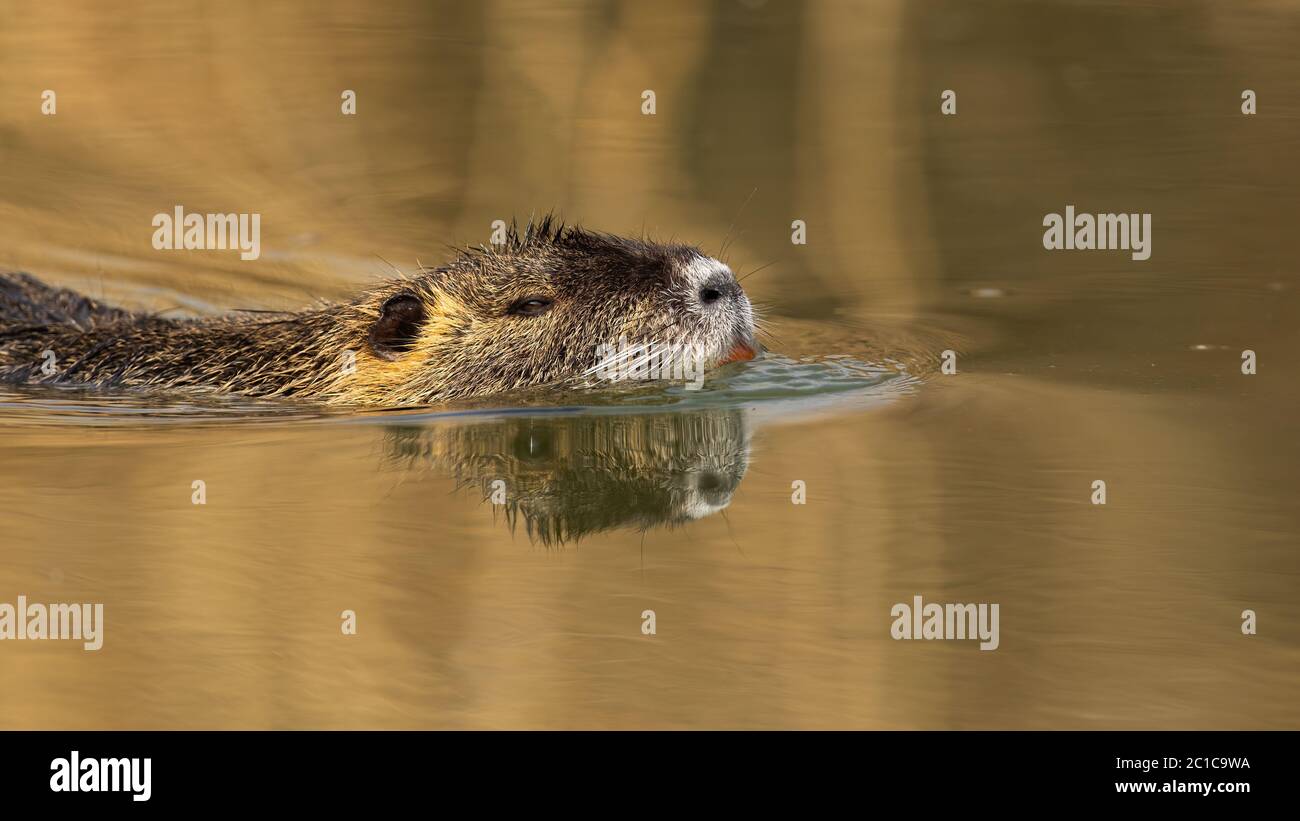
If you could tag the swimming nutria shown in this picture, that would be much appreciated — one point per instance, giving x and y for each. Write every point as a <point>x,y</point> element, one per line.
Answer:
<point>530,312</point>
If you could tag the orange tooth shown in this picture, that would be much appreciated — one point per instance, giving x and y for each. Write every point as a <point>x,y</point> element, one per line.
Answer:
<point>740,352</point>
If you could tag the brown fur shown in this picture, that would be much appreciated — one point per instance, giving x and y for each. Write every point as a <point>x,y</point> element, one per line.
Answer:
<point>469,340</point>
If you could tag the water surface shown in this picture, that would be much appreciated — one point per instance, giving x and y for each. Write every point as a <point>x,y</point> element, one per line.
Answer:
<point>924,235</point>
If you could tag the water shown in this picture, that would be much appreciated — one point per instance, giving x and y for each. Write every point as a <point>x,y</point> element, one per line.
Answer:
<point>924,235</point>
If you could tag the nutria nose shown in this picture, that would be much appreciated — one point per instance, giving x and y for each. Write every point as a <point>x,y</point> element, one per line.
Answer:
<point>717,287</point>
<point>709,481</point>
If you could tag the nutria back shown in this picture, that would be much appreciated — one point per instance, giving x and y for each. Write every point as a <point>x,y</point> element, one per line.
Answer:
<point>26,302</point>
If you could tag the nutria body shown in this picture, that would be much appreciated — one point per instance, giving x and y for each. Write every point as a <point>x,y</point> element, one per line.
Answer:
<point>531,312</point>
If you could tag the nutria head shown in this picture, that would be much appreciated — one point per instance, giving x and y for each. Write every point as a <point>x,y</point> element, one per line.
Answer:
<point>535,311</point>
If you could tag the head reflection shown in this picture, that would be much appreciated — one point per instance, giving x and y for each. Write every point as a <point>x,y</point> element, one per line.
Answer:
<point>567,477</point>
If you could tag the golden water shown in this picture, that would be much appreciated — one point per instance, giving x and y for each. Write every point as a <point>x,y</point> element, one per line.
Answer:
<point>924,233</point>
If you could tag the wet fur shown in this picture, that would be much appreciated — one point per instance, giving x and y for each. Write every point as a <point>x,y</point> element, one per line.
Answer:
<point>467,344</point>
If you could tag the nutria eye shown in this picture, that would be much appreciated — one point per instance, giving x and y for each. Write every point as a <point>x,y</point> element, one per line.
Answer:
<point>531,306</point>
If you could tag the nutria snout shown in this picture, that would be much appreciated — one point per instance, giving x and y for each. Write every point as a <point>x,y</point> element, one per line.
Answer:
<point>531,312</point>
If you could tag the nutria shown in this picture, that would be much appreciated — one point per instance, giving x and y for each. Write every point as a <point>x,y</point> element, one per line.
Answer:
<point>529,312</point>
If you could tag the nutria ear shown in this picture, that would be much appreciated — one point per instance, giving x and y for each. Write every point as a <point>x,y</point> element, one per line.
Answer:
<point>397,327</point>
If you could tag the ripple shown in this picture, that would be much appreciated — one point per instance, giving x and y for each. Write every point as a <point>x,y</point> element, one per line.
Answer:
<point>772,382</point>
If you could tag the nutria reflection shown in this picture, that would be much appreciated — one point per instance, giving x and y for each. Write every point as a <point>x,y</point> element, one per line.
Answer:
<point>571,476</point>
